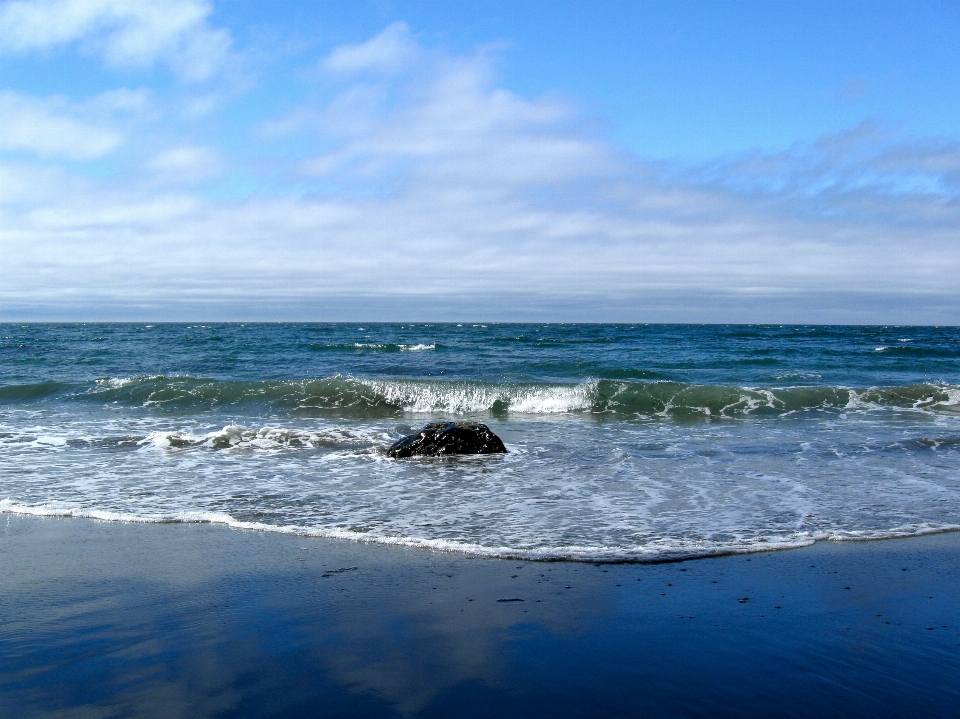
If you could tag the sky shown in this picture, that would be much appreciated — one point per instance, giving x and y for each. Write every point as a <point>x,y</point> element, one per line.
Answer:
<point>195,160</point>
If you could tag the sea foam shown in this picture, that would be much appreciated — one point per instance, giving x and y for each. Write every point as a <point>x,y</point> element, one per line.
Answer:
<point>659,551</point>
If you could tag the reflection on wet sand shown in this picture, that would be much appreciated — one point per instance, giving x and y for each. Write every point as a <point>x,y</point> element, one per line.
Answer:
<point>107,619</point>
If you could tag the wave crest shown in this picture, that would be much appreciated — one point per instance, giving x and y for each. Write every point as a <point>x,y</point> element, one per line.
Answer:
<point>350,396</point>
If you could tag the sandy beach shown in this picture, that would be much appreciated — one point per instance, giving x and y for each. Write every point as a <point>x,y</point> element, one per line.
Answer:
<point>106,619</point>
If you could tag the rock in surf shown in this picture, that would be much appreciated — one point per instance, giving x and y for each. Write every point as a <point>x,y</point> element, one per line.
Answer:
<point>442,438</point>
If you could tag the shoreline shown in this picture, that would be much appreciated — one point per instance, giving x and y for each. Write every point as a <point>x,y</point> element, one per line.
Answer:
<point>574,554</point>
<point>108,618</point>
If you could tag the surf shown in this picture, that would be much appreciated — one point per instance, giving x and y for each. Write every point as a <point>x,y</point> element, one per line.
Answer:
<point>347,395</point>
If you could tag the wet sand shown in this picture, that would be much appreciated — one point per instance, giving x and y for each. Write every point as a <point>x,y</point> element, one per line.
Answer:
<point>102,619</point>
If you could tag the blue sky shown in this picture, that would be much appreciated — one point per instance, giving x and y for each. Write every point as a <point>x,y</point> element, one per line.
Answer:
<point>612,161</point>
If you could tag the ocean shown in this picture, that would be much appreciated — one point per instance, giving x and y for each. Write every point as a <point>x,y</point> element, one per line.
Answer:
<point>625,442</point>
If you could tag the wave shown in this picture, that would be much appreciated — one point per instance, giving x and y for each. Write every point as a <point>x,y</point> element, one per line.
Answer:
<point>232,436</point>
<point>35,390</point>
<point>372,347</point>
<point>908,350</point>
<point>665,550</point>
<point>686,400</point>
<point>350,396</point>
<point>366,441</point>
<point>271,438</point>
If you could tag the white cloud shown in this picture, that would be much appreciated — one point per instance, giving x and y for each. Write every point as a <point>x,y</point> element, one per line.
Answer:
<point>386,53</point>
<point>127,33</point>
<point>441,195</point>
<point>200,106</point>
<point>46,127</point>
<point>185,164</point>
<point>124,101</point>
<point>865,173</point>
<point>458,129</point>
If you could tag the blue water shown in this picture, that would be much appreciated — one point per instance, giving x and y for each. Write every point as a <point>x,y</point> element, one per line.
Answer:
<point>627,442</point>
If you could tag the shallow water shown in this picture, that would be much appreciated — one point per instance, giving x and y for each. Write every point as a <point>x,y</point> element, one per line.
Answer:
<point>626,442</point>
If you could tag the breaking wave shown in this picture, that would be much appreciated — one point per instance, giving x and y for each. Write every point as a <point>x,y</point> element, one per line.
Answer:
<point>350,396</point>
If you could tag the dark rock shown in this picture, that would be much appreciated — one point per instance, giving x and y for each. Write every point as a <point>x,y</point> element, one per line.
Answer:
<point>441,438</point>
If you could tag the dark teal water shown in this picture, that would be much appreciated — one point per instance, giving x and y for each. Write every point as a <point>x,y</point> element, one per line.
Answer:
<point>627,442</point>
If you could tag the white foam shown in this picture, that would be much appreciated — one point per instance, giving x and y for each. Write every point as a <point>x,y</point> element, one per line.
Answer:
<point>30,437</point>
<point>680,550</point>
<point>664,550</point>
<point>568,489</point>
<point>403,348</point>
<point>903,531</point>
<point>859,399</point>
<point>268,438</point>
<point>116,382</point>
<point>953,397</point>
<point>466,398</point>
<point>120,382</point>
<point>798,374</point>
<point>751,402</point>
<point>51,441</point>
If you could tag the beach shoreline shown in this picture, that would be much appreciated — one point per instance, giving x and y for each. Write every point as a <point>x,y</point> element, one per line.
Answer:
<point>122,619</point>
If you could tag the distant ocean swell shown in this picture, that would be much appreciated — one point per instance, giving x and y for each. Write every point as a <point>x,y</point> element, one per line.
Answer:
<point>366,397</point>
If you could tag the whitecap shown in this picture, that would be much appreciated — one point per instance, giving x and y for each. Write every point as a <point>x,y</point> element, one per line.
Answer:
<point>467,397</point>
<point>265,438</point>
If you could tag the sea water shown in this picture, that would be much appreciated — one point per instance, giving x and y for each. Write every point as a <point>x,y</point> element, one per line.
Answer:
<point>626,442</point>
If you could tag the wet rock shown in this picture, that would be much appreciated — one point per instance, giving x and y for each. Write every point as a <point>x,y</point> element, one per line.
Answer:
<point>442,438</point>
